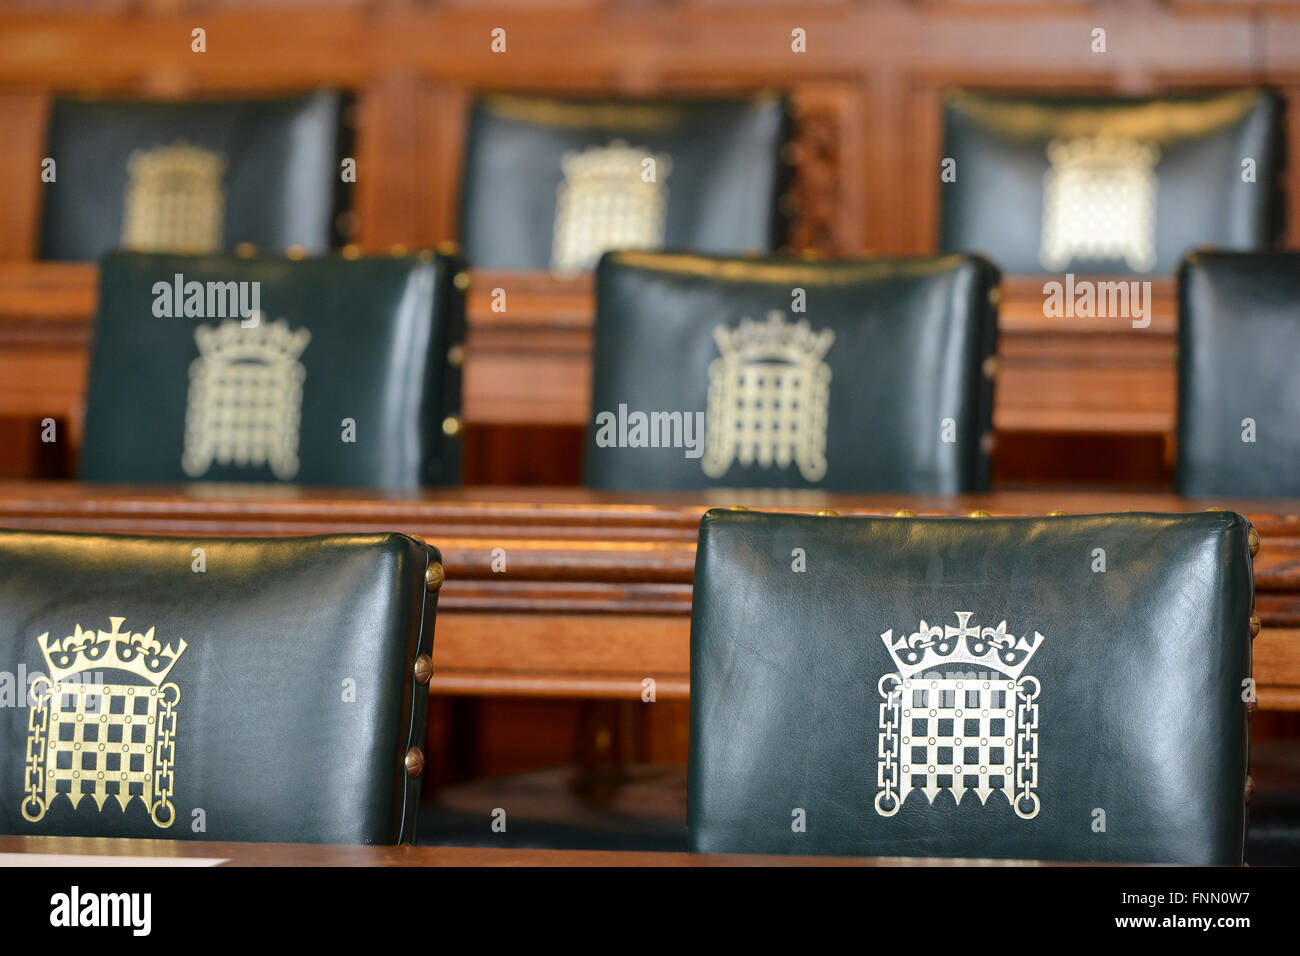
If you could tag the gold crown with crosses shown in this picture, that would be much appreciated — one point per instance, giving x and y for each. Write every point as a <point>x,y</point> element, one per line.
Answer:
<point>136,653</point>
<point>1103,152</point>
<point>775,338</point>
<point>617,164</point>
<point>265,341</point>
<point>931,646</point>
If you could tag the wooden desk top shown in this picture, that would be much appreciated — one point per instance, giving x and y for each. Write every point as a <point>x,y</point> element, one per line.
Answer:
<point>289,854</point>
<point>574,557</point>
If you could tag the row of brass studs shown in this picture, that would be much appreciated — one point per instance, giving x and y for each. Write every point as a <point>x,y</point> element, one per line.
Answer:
<point>905,513</point>
<point>433,578</point>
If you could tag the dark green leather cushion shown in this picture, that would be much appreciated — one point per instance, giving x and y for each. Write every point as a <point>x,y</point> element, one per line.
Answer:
<point>723,179</point>
<point>1000,145</point>
<point>380,331</point>
<point>1139,669</point>
<point>910,340</point>
<point>297,703</point>
<point>281,179</point>
<point>1238,356</point>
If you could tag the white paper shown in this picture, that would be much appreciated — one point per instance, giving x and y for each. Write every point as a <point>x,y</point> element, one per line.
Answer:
<point>78,860</point>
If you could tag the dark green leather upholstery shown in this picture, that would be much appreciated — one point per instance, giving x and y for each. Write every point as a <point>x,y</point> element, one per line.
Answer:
<point>1238,362</point>
<point>1121,692</point>
<point>718,177</point>
<point>880,382</point>
<point>183,397</point>
<point>275,162</point>
<point>1112,157</point>
<point>269,697</point>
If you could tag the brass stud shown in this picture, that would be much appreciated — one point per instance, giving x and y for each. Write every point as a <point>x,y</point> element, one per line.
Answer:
<point>352,251</point>
<point>451,426</point>
<point>1253,537</point>
<point>828,513</point>
<point>296,252</point>
<point>995,296</point>
<point>461,280</point>
<point>904,513</point>
<point>979,514</point>
<point>1056,514</point>
<point>434,576</point>
<point>1256,625</point>
<point>737,508</point>
<point>1250,788</point>
<point>448,248</point>
<point>245,250</point>
<point>425,255</point>
<point>423,669</point>
<point>414,762</point>
<point>990,367</point>
<point>456,355</point>
<point>397,249</point>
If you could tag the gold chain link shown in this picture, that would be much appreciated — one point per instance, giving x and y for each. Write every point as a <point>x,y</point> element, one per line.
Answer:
<point>164,761</point>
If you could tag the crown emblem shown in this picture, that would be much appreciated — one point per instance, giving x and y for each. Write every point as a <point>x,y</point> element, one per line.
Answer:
<point>139,654</point>
<point>931,646</point>
<point>773,340</point>
<point>614,165</point>
<point>1102,153</point>
<point>267,342</point>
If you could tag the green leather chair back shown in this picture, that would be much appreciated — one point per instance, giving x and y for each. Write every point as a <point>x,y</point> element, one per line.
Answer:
<point>199,177</point>
<point>953,687</point>
<point>1238,388</point>
<point>1109,185</point>
<point>553,183</point>
<point>349,377</point>
<point>865,375</point>
<point>202,689</point>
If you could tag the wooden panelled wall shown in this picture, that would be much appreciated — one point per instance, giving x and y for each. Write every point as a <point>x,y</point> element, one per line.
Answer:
<point>867,92</point>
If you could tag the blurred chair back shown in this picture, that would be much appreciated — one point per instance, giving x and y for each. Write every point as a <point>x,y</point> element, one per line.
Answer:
<point>553,183</point>
<point>870,375</point>
<point>953,687</point>
<point>1108,185</point>
<point>201,689</point>
<point>332,371</point>
<point>1239,374</point>
<point>196,177</point>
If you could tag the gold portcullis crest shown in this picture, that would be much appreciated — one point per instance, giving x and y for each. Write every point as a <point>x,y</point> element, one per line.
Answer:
<point>959,714</point>
<point>245,398</point>
<point>769,397</point>
<point>1099,202</point>
<point>99,739</point>
<point>606,202</point>
<point>175,201</point>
